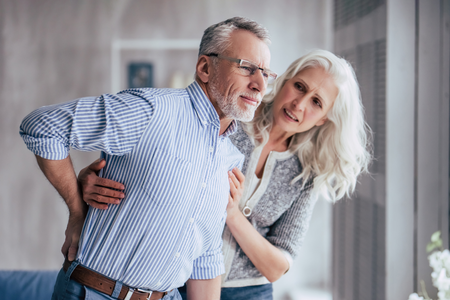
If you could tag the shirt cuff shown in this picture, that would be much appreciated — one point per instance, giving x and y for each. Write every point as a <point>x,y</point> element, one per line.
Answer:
<point>208,266</point>
<point>45,148</point>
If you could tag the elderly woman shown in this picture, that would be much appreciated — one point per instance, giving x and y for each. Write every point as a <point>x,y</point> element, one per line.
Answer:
<point>308,137</point>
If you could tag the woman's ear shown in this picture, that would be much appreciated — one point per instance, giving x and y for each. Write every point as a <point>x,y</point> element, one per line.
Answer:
<point>322,121</point>
<point>203,68</point>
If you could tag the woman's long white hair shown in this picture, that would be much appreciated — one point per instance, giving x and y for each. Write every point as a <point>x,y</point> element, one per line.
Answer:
<point>335,153</point>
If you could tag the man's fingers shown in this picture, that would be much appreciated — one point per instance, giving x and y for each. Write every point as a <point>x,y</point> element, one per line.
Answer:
<point>65,248</point>
<point>108,183</point>
<point>102,191</point>
<point>102,199</point>
<point>97,165</point>
<point>93,180</point>
<point>72,253</point>
<point>69,248</point>
<point>96,204</point>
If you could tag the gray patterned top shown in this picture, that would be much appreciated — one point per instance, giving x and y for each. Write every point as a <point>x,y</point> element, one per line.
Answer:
<point>280,211</point>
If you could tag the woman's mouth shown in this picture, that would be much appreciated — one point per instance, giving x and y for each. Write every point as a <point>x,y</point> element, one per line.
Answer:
<point>290,115</point>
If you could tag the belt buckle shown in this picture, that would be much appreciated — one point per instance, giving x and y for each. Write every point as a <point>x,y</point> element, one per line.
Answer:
<point>131,291</point>
<point>129,294</point>
<point>146,291</point>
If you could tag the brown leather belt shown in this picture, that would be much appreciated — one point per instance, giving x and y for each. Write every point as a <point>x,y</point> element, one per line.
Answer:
<point>106,285</point>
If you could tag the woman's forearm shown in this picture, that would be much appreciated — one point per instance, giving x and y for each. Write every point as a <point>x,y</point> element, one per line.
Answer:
<point>267,258</point>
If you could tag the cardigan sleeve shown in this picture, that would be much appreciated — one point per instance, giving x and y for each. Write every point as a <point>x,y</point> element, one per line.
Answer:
<point>289,231</point>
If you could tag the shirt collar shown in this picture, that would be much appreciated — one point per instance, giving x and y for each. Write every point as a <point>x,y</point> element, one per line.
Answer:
<point>205,110</point>
<point>232,128</point>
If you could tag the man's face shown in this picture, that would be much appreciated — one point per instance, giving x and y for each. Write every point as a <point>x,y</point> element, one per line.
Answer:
<point>235,95</point>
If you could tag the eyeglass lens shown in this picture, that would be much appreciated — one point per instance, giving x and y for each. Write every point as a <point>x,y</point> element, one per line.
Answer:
<point>250,69</point>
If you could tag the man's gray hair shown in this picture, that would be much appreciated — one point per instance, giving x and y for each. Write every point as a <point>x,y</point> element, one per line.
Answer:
<point>216,38</point>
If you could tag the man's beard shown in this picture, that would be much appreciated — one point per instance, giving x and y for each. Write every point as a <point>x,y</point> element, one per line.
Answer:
<point>229,105</point>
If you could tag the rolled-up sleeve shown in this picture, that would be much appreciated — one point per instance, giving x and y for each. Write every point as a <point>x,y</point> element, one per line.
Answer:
<point>210,264</point>
<point>109,123</point>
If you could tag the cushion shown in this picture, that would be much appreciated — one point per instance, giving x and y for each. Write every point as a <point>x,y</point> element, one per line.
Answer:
<point>25,285</point>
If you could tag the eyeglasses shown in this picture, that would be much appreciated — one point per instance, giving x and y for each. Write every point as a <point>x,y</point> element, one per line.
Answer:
<point>248,68</point>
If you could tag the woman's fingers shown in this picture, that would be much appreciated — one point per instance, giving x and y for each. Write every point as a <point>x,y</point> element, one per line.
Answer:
<point>233,188</point>
<point>239,175</point>
<point>236,179</point>
<point>233,179</point>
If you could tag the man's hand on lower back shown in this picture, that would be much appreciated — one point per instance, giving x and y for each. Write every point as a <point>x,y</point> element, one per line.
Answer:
<point>73,232</point>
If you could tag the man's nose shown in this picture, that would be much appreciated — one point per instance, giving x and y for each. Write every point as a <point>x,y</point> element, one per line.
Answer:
<point>258,83</point>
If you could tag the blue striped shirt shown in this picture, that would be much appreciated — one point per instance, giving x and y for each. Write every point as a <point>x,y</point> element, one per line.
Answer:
<point>164,146</point>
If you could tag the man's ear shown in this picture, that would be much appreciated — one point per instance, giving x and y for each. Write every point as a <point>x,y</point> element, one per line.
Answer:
<point>203,68</point>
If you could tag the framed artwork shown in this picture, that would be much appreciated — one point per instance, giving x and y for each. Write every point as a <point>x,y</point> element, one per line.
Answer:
<point>158,63</point>
<point>140,75</point>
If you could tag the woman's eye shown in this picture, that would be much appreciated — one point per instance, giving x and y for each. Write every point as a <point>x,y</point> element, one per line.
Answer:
<point>317,102</point>
<point>299,87</point>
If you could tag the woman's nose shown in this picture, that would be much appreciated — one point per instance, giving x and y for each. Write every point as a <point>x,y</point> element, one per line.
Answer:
<point>299,103</point>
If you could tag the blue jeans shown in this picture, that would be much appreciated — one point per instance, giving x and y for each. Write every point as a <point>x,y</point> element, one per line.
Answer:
<point>252,292</point>
<point>68,289</point>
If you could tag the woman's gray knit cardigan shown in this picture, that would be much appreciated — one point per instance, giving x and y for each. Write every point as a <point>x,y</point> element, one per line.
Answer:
<point>281,211</point>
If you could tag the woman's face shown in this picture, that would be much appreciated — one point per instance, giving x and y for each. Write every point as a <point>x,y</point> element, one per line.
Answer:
<point>304,101</point>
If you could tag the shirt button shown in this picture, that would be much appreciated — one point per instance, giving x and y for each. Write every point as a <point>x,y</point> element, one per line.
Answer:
<point>203,185</point>
<point>211,149</point>
<point>177,254</point>
<point>191,220</point>
<point>158,283</point>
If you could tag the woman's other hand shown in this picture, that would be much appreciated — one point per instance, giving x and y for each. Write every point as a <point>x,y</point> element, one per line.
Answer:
<point>236,179</point>
<point>96,191</point>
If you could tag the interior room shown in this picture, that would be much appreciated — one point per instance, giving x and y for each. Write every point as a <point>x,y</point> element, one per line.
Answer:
<point>372,245</point>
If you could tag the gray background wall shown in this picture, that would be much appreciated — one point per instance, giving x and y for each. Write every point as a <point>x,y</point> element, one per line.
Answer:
<point>54,51</point>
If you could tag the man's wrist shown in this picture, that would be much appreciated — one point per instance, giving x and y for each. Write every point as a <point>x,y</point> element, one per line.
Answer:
<point>77,208</point>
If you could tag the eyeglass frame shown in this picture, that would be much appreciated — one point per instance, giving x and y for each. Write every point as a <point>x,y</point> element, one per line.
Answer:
<point>271,75</point>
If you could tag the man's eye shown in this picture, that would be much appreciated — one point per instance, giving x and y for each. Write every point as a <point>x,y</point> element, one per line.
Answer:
<point>250,70</point>
<point>265,74</point>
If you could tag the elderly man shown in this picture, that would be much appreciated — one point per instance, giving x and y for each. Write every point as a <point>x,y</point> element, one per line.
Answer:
<point>170,148</point>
